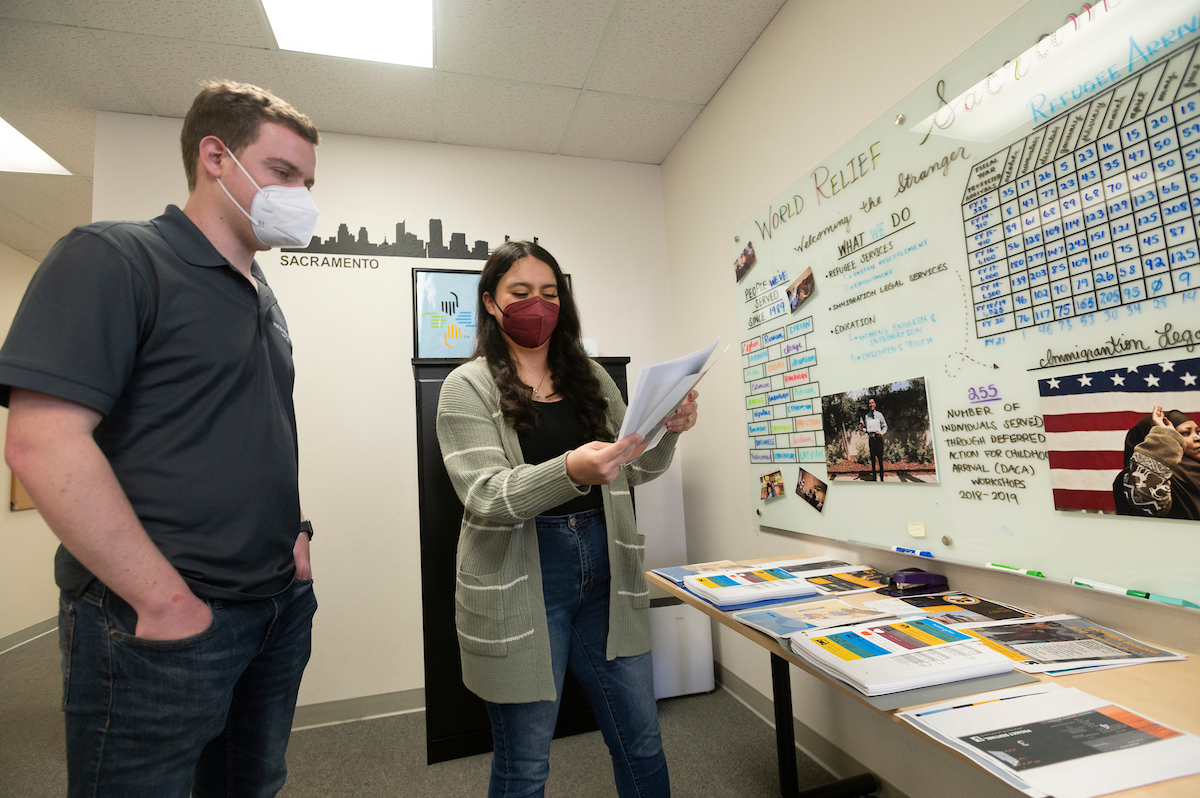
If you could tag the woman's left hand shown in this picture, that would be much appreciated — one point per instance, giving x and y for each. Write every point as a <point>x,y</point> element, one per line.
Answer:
<point>684,417</point>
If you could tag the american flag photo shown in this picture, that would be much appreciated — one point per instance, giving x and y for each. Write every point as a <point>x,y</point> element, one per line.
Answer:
<point>1087,416</point>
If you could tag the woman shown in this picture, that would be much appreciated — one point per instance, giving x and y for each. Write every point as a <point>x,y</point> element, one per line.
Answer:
<point>549,562</point>
<point>1161,477</point>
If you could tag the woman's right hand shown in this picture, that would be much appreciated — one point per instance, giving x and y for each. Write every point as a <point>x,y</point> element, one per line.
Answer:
<point>1160,420</point>
<point>598,463</point>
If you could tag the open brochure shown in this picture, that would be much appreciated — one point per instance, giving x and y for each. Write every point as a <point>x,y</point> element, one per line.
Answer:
<point>1046,740</point>
<point>781,621</point>
<point>781,580</point>
<point>1060,644</point>
<point>878,658</point>
<point>660,389</point>
<point>951,608</point>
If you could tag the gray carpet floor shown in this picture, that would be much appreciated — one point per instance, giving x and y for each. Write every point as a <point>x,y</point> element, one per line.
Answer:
<point>715,747</point>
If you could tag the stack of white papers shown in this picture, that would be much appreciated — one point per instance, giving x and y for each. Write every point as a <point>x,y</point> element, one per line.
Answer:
<point>878,658</point>
<point>1045,740</point>
<point>1064,644</point>
<point>659,390</point>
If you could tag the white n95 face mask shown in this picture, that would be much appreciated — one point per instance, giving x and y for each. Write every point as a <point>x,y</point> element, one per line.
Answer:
<point>282,216</point>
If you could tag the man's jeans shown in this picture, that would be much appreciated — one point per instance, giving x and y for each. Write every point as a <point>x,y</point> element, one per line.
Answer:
<point>207,715</point>
<point>575,585</point>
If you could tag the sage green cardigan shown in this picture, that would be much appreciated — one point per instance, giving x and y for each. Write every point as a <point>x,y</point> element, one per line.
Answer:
<point>499,611</point>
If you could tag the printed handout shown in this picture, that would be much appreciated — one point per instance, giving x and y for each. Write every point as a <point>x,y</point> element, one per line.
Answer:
<point>882,657</point>
<point>952,608</point>
<point>784,620</point>
<point>1058,643</point>
<point>1047,740</point>
<point>660,389</point>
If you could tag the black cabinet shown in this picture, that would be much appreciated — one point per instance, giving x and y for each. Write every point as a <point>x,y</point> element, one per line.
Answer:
<point>456,723</point>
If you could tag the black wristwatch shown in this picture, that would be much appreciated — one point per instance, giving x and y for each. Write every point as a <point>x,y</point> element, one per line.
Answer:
<point>306,528</point>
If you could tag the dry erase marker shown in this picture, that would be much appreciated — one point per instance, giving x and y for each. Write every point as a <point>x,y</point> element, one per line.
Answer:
<point>917,552</point>
<point>1106,588</point>
<point>1025,571</point>
<point>1168,600</point>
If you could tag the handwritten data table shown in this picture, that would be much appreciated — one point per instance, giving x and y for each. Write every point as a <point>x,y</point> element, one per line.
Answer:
<point>1095,209</point>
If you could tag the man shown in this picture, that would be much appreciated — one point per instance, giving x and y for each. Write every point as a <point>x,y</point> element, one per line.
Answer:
<point>876,427</point>
<point>148,375</point>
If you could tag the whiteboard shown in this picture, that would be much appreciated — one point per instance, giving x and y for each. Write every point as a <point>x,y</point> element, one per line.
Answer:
<point>1019,237</point>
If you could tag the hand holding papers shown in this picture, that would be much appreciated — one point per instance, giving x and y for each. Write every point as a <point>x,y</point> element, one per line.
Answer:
<point>660,389</point>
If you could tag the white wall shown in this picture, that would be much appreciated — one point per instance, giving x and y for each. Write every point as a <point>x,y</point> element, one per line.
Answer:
<point>352,330</point>
<point>27,591</point>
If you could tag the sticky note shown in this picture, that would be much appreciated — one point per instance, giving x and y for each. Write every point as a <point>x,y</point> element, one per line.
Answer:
<point>916,529</point>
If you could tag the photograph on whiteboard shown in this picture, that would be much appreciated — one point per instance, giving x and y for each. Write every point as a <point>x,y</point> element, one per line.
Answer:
<point>811,489</point>
<point>801,290</point>
<point>744,262</point>
<point>772,485</point>
<point>1125,440</point>
<point>879,434</point>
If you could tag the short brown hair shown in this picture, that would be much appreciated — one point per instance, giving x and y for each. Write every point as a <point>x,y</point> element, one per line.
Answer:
<point>233,112</point>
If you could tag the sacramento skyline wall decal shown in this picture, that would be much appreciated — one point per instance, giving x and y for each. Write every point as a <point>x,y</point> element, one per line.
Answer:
<point>404,245</point>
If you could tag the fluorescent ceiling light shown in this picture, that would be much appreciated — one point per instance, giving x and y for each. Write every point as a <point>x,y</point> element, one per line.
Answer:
<point>19,154</point>
<point>390,31</point>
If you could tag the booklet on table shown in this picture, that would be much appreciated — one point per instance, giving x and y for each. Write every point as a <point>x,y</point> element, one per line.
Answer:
<point>951,608</point>
<point>1044,740</point>
<point>1061,644</point>
<point>785,620</point>
<point>745,586</point>
<point>878,658</point>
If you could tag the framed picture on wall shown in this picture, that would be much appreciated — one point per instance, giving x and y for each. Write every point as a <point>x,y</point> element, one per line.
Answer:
<point>444,320</point>
<point>444,312</point>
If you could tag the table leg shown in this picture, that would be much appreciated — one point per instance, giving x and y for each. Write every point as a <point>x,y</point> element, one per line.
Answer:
<point>785,733</point>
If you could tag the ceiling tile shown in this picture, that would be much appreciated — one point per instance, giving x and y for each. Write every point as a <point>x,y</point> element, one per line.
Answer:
<point>35,254</point>
<point>368,99</point>
<point>166,71</point>
<point>236,22</point>
<point>53,203</point>
<point>18,233</point>
<point>621,128</point>
<point>35,11</point>
<point>67,134</point>
<point>537,41</point>
<point>673,51</point>
<point>61,66</point>
<point>512,116</point>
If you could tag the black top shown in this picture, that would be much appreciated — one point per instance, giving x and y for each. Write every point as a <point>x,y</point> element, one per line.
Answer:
<point>558,430</point>
<point>192,370</point>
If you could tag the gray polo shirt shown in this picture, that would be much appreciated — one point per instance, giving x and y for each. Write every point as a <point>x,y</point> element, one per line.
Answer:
<point>192,371</point>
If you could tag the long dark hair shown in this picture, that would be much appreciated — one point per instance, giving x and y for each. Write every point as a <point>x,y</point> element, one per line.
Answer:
<point>570,367</point>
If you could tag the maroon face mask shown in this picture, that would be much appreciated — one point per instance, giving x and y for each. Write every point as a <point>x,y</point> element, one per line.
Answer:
<point>530,322</point>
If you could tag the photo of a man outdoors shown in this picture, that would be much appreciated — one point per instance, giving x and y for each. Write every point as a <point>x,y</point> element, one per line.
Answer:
<point>879,434</point>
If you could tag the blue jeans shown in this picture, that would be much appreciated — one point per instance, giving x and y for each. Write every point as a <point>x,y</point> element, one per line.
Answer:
<point>575,585</point>
<point>207,715</point>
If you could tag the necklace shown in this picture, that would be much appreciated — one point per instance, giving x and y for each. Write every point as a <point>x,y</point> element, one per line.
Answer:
<point>537,396</point>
